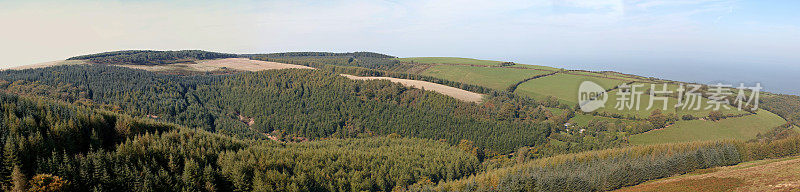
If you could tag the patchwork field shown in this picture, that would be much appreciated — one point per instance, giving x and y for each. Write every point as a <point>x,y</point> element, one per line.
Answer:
<point>450,60</point>
<point>443,89</point>
<point>492,77</point>
<point>743,128</point>
<point>764,175</point>
<point>644,102</point>
<point>243,64</point>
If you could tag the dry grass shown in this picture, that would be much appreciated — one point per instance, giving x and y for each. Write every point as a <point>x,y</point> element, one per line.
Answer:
<point>48,64</point>
<point>443,89</point>
<point>243,64</point>
<point>765,175</point>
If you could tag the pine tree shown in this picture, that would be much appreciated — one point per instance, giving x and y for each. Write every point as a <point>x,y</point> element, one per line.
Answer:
<point>210,178</point>
<point>9,159</point>
<point>192,175</point>
<point>19,180</point>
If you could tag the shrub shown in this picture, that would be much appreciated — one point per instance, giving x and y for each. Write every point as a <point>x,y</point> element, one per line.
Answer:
<point>47,183</point>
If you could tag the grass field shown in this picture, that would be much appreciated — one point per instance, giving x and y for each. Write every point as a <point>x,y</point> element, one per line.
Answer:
<point>644,102</point>
<point>562,86</point>
<point>603,75</point>
<point>743,128</point>
<point>492,77</point>
<point>450,60</point>
<point>617,74</point>
<point>763,175</point>
<point>537,67</point>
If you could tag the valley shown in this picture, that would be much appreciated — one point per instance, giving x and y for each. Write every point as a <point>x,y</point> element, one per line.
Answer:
<point>249,122</point>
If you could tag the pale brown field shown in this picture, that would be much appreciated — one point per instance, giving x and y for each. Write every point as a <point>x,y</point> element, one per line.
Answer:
<point>243,64</point>
<point>764,175</point>
<point>48,64</point>
<point>443,89</point>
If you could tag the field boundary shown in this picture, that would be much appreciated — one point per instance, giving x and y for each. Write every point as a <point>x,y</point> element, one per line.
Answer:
<point>491,66</point>
<point>514,86</point>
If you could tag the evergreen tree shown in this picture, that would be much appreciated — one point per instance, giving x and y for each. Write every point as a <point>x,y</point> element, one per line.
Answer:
<point>19,180</point>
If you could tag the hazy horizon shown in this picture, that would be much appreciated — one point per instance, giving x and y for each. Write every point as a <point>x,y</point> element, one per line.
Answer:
<point>702,41</point>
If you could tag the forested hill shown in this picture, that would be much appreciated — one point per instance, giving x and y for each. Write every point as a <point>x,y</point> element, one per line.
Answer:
<point>103,127</point>
<point>51,146</point>
<point>294,105</point>
<point>323,54</point>
<point>149,57</point>
<point>152,57</point>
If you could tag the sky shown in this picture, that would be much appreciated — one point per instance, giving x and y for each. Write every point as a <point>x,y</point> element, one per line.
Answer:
<point>690,40</point>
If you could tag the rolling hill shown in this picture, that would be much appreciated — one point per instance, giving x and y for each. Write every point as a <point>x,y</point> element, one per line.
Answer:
<point>762,175</point>
<point>204,121</point>
<point>563,85</point>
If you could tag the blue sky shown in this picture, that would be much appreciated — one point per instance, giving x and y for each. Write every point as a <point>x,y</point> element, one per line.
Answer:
<point>632,36</point>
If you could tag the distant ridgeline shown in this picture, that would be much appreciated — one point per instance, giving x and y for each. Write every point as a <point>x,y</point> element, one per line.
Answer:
<point>367,60</point>
<point>149,57</point>
<point>355,63</point>
<point>323,54</point>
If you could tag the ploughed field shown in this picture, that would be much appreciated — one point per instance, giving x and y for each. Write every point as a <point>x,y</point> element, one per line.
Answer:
<point>443,89</point>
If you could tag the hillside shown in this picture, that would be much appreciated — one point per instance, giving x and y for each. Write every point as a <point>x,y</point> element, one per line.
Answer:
<point>286,104</point>
<point>542,83</point>
<point>743,128</point>
<point>149,57</point>
<point>211,65</point>
<point>361,121</point>
<point>763,175</point>
<point>76,148</point>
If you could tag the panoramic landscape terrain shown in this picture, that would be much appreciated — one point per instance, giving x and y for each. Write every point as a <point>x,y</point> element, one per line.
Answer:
<point>400,96</point>
<point>195,120</point>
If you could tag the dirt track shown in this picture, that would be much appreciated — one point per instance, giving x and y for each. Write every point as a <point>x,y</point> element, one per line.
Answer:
<point>443,89</point>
